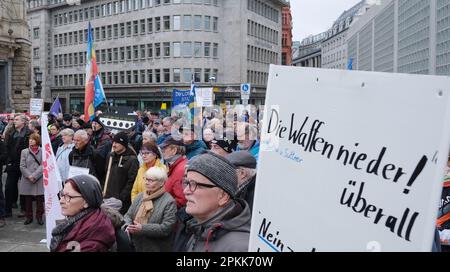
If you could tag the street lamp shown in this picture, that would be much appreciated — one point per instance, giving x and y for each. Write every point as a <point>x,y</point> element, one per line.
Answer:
<point>38,80</point>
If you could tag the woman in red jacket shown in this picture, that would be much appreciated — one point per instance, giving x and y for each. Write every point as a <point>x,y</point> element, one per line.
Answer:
<point>87,228</point>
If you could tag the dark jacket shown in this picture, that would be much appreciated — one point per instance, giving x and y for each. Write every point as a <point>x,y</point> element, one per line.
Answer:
<point>195,148</point>
<point>83,158</point>
<point>227,231</point>
<point>17,142</point>
<point>3,155</point>
<point>102,143</point>
<point>247,192</point>
<point>124,169</point>
<point>56,142</point>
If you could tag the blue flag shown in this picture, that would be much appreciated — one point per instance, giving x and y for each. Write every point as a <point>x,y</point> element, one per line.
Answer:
<point>350,64</point>
<point>56,107</point>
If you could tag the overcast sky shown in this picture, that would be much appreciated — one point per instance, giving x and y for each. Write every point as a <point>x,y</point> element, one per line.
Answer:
<point>316,16</point>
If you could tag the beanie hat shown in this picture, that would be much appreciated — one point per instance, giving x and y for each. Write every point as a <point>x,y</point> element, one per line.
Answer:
<point>97,120</point>
<point>80,122</point>
<point>90,189</point>
<point>217,169</point>
<point>121,138</point>
<point>224,144</point>
<point>67,117</point>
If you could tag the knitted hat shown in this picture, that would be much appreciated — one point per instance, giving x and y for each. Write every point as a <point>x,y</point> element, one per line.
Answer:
<point>90,189</point>
<point>242,159</point>
<point>80,122</point>
<point>97,120</point>
<point>121,138</point>
<point>67,117</point>
<point>224,144</point>
<point>217,169</point>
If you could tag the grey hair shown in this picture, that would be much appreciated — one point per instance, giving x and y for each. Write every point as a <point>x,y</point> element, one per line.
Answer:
<point>250,172</point>
<point>82,133</point>
<point>168,119</point>
<point>67,132</point>
<point>23,117</point>
<point>157,173</point>
<point>150,134</point>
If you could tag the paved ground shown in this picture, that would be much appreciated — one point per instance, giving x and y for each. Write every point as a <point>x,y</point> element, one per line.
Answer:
<point>17,237</point>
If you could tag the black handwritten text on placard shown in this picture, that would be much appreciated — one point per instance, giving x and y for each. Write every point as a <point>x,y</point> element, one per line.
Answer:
<point>311,142</point>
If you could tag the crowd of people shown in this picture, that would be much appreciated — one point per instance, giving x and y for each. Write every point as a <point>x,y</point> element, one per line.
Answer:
<point>158,186</point>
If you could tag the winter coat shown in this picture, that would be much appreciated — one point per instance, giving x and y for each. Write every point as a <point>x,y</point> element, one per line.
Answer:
<point>195,148</point>
<point>173,183</point>
<point>29,167</point>
<point>83,158</point>
<point>62,160</point>
<point>247,192</point>
<point>139,184</point>
<point>3,155</point>
<point>227,231</point>
<point>122,174</point>
<point>93,233</point>
<point>56,142</point>
<point>155,235</point>
<point>102,144</point>
<point>15,143</point>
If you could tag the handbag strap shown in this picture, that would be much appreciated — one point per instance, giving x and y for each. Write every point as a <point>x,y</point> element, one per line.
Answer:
<point>34,157</point>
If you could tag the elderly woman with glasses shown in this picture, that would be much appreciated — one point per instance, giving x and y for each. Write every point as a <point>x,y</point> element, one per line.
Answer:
<point>86,227</point>
<point>151,217</point>
<point>151,157</point>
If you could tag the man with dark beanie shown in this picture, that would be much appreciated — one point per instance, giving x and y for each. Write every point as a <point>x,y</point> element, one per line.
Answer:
<point>220,222</point>
<point>101,142</point>
<point>122,168</point>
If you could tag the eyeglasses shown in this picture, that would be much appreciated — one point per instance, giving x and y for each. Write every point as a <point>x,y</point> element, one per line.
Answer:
<point>150,179</point>
<point>66,197</point>
<point>146,153</point>
<point>194,184</point>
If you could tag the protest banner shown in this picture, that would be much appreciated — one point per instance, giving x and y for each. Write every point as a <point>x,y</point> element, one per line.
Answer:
<point>36,105</point>
<point>350,161</point>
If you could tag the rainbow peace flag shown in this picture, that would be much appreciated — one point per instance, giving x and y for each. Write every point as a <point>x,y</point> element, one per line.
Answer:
<point>94,93</point>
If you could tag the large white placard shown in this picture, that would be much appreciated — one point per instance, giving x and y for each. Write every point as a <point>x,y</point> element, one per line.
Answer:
<point>204,97</point>
<point>36,106</point>
<point>350,161</point>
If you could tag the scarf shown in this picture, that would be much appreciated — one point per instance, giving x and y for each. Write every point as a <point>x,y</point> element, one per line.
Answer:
<point>34,149</point>
<point>60,231</point>
<point>170,161</point>
<point>146,208</point>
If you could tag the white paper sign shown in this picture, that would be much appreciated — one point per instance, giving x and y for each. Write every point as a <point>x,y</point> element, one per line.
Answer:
<point>75,171</point>
<point>350,161</point>
<point>36,106</point>
<point>204,97</point>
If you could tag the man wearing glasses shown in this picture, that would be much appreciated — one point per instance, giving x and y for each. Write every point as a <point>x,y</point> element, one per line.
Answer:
<point>220,221</point>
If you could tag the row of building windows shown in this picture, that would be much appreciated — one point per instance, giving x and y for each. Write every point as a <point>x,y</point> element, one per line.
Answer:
<point>139,27</point>
<point>142,52</point>
<point>143,76</point>
<point>117,7</point>
<point>333,44</point>
<point>262,32</point>
<point>335,57</point>
<point>257,78</point>
<point>263,9</point>
<point>261,55</point>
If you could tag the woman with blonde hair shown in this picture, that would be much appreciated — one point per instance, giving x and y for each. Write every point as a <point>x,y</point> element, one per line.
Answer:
<point>151,217</point>
<point>151,157</point>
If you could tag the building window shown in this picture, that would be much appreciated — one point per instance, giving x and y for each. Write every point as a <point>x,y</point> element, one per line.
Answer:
<point>150,25</point>
<point>187,49</point>
<point>157,24</point>
<point>142,49</point>
<point>157,75</point>
<point>157,50</point>
<point>215,50</point>
<point>135,52</point>
<point>207,52</point>
<point>142,23</point>
<point>166,46</point>
<point>176,75</point>
<point>36,33</point>
<point>207,23</point>
<point>187,22</point>
<point>142,76</point>
<point>177,49</point>
<point>149,50</point>
<point>207,74</point>
<point>197,49</point>
<point>187,76</point>
<point>36,52</point>
<point>197,74</point>
<point>197,22</point>
<point>176,22</point>
<point>215,23</point>
<point>150,76</point>
<point>166,22</point>
<point>166,73</point>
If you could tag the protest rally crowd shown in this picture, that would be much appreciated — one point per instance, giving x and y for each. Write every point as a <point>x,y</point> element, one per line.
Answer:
<point>156,187</point>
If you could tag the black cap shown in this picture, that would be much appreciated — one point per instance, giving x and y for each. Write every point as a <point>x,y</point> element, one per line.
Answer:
<point>97,120</point>
<point>224,144</point>
<point>171,141</point>
<point>67,117</point>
